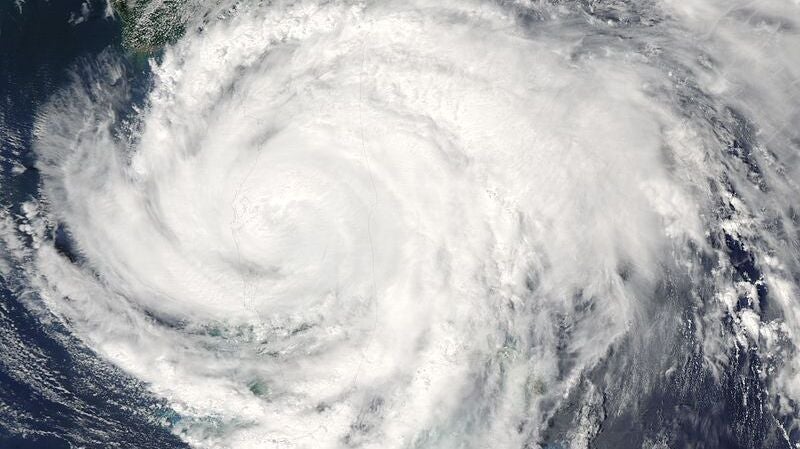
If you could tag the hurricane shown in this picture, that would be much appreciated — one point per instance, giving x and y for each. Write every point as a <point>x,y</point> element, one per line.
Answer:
<point>431,224</point>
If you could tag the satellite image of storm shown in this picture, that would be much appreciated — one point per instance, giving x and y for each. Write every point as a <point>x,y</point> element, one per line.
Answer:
<point>399,224</point>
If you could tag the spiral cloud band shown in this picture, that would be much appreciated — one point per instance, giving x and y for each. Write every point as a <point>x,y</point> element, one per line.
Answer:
<point>447,224</point>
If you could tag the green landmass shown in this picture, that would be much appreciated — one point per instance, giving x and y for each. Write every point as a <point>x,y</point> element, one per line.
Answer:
<point>148,25</point>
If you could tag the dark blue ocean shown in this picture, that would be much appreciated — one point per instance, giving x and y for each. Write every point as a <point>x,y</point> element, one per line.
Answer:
<point>54,393</point>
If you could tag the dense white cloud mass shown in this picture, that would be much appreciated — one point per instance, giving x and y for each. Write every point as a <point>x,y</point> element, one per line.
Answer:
<point>422,224</point>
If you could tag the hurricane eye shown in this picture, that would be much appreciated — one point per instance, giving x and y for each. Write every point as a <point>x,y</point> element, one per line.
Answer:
<point>388,224</point>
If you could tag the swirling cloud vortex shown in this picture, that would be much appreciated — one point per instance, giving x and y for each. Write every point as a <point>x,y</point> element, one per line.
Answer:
<point>388,225</point>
